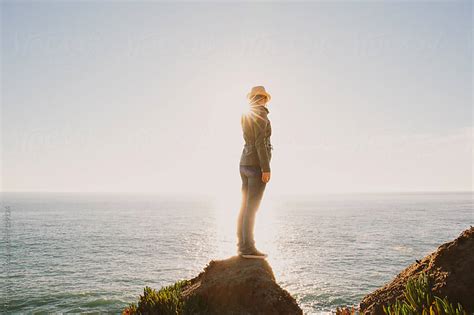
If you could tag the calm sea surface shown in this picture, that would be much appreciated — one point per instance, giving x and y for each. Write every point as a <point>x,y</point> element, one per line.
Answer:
<point>94,253</point>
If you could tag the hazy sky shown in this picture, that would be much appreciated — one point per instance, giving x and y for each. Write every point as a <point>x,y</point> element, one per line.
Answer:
<point>109,96</point>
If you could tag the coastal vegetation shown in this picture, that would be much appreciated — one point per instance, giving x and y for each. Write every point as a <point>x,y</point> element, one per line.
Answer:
<point>419,299</point>
<point>167,301</point>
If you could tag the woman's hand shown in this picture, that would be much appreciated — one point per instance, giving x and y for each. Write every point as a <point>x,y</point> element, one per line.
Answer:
<point>265,177</point>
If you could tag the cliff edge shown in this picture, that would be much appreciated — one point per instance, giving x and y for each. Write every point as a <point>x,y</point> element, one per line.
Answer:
<point>226,287</point>
<point>451,267</point>
<point>241,286</point>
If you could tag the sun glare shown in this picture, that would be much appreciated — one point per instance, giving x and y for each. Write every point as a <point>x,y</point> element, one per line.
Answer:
<point>245,108</point>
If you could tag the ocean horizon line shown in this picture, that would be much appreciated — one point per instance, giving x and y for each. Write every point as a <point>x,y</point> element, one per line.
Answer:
<point>209,195</point>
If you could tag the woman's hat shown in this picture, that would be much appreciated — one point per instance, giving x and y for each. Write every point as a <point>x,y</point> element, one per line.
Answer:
<point>258,90</point>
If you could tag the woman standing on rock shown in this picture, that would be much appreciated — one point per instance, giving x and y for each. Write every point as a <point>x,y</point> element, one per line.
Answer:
<point>254,168</point>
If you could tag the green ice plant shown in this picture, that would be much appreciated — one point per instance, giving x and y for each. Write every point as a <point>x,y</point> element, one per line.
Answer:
<point>166,301</point>
<point>419,299</point>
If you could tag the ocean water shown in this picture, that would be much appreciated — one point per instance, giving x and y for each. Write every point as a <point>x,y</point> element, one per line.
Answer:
<point>94,253</point>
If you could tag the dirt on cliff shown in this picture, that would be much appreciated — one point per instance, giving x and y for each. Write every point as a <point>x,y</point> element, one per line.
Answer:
<point>451,267</point>
<point>241,286</point>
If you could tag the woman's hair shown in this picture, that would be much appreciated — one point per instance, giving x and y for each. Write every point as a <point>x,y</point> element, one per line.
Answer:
<point>257,98</point>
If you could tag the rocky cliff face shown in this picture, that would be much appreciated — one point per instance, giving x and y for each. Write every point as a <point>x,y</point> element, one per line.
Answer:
<point>241,286</point>
<point>451,267</point>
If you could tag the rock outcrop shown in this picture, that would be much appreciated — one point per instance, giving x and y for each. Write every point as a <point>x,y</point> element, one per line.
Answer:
<point>451,267</point>
<point>241,286</point>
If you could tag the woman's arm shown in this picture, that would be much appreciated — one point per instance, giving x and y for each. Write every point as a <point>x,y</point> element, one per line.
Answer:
<point>259,132</point>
